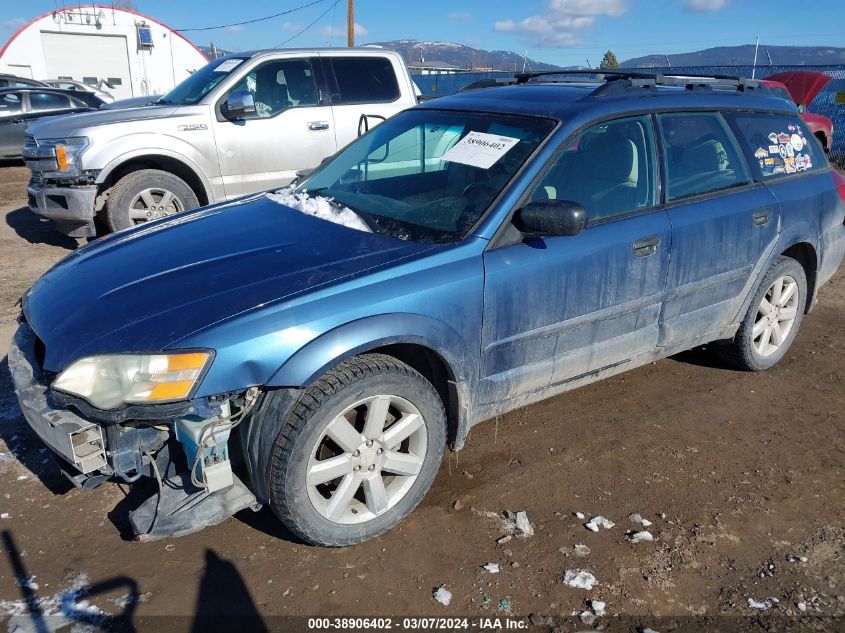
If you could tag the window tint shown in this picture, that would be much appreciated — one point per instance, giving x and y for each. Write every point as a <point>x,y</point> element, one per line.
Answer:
<point>777,144</point>
<point>40,101</point>
<point>10,103</point>
<point>700,155</point>
<point>365,79</point>
<point>279,85</point>
<point>609,169</point>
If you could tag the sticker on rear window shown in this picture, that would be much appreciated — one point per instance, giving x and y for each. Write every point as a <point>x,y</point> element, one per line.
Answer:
<point>785,155</point>
<point>478,149</point>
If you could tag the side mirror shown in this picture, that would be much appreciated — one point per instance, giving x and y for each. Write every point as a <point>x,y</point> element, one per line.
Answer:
<point>239,104</point>
<point>551,218</point>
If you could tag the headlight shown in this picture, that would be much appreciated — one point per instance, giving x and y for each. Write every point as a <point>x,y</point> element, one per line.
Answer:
<point>115,379</point>
<point>57,156</point>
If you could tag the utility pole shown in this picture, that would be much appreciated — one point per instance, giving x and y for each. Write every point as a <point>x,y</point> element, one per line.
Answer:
<point>350,23</point>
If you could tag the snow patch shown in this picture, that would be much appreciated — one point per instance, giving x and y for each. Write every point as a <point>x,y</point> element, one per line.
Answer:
<point>638,518</point>
<point>493,568</point>
<point>764,605</point>
<point>598,522</point>
<point>443,596</point>
<point>320,207</point>
<point>637,537</point>
<point>579,579</point>
<point>523,524</point>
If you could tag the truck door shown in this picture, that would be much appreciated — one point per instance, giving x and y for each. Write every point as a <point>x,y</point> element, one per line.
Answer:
<point>360,85</point>
<point>291,129</point>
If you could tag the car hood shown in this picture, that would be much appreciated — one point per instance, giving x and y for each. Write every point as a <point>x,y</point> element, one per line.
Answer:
<point>146,288</point>
<point>803,85</point>
<point>71,124</point>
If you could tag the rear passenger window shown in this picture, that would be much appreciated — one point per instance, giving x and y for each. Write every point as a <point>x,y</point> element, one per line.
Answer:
<point>10,103</point>
<point>41,101</point>
<point>777,144</point>
<point>608,169</point>
<point>700,155</point>
<point>365,79</point>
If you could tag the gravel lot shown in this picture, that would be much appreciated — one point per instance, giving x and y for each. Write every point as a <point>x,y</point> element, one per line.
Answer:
<point>742,475</point>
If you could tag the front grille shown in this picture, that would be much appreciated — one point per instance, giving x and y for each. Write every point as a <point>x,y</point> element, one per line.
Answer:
<point>29,141</point>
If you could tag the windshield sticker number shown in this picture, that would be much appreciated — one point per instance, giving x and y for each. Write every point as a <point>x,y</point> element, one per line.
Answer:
<point>228,66</point>
<point>478,149</point>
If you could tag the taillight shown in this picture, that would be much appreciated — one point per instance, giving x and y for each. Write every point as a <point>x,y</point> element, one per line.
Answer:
<point>839,181</point>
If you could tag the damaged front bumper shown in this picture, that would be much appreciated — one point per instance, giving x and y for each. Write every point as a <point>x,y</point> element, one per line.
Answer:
<point>93,450</point>
<point>72,208</point>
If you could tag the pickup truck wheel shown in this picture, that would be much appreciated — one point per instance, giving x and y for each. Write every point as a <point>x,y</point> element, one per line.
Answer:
<point>145,195</point>
<point>359,451</point>
<point>772,320</point>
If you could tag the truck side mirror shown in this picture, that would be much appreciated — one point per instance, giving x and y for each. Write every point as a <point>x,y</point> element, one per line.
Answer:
<point>239,104</point>
<point>364,123</point>
<point>551,218</point>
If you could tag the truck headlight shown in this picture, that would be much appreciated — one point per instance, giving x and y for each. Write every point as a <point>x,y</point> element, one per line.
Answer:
<point>111,380</point>
<point>57,156</point>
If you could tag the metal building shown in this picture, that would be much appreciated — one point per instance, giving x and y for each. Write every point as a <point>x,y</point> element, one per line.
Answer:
<point>132,53</point>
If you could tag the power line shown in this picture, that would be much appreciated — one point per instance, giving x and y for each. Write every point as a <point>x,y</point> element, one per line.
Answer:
<point>269,17</point>
<point>320,17</point>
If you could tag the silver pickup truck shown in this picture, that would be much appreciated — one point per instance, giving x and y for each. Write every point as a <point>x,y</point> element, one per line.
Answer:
<point>243,123</point>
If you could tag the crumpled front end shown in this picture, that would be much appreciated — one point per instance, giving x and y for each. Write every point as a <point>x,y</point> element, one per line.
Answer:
<point>186,449</point>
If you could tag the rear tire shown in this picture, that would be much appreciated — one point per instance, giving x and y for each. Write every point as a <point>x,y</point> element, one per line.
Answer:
<point>358,452</point>
<point>772,320</point>
<point>145,195</point>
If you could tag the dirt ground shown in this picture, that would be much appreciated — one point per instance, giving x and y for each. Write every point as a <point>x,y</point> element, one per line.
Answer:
<point>741,474</point>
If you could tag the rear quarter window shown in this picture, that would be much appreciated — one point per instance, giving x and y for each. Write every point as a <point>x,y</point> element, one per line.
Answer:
<point>777,145</point>
<point>365,79</point>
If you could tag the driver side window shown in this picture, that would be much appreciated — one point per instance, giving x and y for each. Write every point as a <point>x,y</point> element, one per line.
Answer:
<point>279,85</point>
<point>609,169</point>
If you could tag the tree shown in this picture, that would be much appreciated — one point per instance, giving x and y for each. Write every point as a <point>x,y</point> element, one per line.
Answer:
<point>609,61</point>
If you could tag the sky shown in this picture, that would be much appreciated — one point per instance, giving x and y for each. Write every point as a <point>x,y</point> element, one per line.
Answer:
<point>562,32</point>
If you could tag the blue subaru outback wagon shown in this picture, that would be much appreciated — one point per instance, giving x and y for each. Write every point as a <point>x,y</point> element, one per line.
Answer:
<point>315,349</point>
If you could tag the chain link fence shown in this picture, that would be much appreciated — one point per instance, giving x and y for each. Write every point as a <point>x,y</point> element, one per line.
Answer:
<point>824,104</point>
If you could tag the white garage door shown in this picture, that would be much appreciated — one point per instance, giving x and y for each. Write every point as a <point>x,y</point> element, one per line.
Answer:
<point>89,58</point>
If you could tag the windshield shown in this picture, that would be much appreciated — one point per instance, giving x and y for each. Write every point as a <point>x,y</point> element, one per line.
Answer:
<point>203,81</point>
<point>429,175</point>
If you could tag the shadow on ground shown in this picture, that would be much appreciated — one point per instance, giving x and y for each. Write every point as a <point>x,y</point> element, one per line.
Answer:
<point>37,230</point>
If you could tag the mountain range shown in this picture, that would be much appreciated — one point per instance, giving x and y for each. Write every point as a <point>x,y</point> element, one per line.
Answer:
<point>744,56</point>
<point>460,56</point>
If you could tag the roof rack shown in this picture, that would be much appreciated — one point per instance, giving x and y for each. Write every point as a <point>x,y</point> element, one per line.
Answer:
<point>619,81</point>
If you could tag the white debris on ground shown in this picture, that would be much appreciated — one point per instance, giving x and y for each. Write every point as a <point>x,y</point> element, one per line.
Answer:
<point>493,568</point>
<point>579,515</point>
<point>587,617</point>
<point>644,535</point>
<point>319,207</point>
<point>4,515</point>
<point>802,606</point>
<point>581,550</point>
<point>598,607</point>
<point>57,611</point>
<point>764,605</point>
<point>504,523</point>
<point>29,584</point>
<point>443,595</point>
<point>597,523</point>
<point>647,630</point>
<point>504,539</point>
<point>638,518</point>
<point>23,478</point>
<point>579,579</point>
<point>523,524</point>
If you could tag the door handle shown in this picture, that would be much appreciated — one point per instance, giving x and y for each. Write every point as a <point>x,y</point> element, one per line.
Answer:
<point>315,126</point>
<point>762,217</point>
<point>646,246</point>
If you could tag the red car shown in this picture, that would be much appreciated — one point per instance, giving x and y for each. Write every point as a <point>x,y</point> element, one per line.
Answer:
<point>802,86</point>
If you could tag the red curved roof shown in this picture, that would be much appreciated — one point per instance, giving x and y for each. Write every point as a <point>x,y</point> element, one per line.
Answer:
<point>96,6</point>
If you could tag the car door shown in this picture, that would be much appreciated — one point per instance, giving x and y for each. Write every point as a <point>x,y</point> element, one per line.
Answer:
<point>723,225</point>
<point>12,124</point>
<point>560,308</point>
<point>359,85</point>
<point>290,130</point>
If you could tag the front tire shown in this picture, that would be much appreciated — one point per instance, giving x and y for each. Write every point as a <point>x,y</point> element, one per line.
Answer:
<point>772,320</point>
<point>147,194</point>
<point>358,452</point>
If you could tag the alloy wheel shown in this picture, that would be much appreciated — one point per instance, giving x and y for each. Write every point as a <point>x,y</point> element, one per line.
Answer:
<point>775,316</point>
<point>153,203</point>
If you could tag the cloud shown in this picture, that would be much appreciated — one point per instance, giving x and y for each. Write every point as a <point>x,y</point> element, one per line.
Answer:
<point>340,31</point>
<point>460,16</point>
<point>704,6</point>
<point>235,28</point>
<point>293,27</point>
<point>14,24</point>
<point>563,21</point>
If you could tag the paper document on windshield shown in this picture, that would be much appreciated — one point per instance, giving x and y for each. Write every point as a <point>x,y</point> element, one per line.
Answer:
<point>478,149</point>
<point>228,66</point>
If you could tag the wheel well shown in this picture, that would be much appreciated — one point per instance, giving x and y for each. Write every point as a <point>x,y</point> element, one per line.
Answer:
<point>164,163</point>
<point>436,370</point>
<point>805,254</point>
